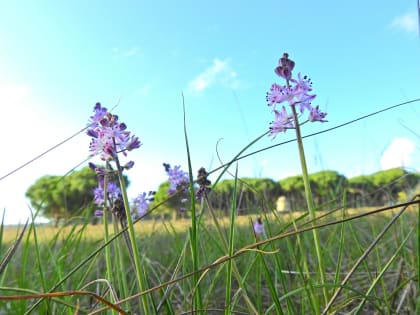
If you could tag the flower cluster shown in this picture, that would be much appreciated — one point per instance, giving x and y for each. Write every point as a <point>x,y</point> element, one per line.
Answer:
<point>113,191</point>
<point>294,92</point>
<point>141,204</point>
<point>178,179</point>
<point>203,182</point>
<point>109,136</point>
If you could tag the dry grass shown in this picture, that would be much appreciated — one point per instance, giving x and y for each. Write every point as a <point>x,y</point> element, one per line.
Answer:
<point>147,227</point>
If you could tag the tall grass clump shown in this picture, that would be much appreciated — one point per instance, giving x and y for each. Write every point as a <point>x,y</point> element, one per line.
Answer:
<point>345,260</point>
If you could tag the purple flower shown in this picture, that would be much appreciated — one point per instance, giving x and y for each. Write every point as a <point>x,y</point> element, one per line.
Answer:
<point>133,143</point>
<point>141,203</point>
<point>296,92</point>
<point>109,136</point>
<point>203,183</point>
<point>316,115</point>
<point>113,192</point>
<point>279,94</point>
<point>128,165</point>
<point>304,85</point>
<point>302,88</point>
<point>275,95</point>
<point>98,195</point>
<point>99,113</point>
<point>285,67</point>
<point>259,227</point>
<point>98,170</point>
<point>282,122</point>
<point>178,179</point>
<point>98,213</point>
<point>304,101</point>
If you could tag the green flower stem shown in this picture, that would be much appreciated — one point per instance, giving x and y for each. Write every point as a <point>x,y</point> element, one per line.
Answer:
<point>118,246</point>
<point>139,272</point>
<point>311,206</point>
<point>108,260</point>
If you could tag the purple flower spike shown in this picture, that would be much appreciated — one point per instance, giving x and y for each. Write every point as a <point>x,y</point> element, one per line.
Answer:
<point>296,92</point>
<point>316,115</point>
<point>178,179</point>
<point>109,136</point>
<point>141,203</point>
<point>100,112</point>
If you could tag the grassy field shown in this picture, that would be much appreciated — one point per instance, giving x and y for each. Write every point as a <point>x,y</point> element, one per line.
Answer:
<point>71,260</point>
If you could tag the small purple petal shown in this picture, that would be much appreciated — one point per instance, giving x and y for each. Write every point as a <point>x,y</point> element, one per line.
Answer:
<point>128,165</point>
<point>316,115</point>
<point>282,122</point>
<point>259,226</point>
<point>92,133</point>
<point>134,143</point>
<point>98,213</point>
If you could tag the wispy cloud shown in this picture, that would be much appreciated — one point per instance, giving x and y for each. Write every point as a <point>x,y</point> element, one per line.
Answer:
<point>220,72</point>
<point>397,154</point>
<point>407,22</point>
<point>125,53</point>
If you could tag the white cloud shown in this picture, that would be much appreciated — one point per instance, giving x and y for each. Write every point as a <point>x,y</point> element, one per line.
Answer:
<point>220,72</point>
<point>407,22</point>
<point>398,154</point>
<point>124,53</point>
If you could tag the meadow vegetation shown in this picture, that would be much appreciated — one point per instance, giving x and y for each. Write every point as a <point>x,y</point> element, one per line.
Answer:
<point>350,247</point>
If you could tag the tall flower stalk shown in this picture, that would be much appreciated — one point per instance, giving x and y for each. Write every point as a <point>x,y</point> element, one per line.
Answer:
<point>297,93</point>
<point>109,139</point>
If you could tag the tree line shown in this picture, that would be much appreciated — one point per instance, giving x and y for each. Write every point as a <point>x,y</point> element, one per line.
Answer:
<point>329,190</point>
<point>59,197</point>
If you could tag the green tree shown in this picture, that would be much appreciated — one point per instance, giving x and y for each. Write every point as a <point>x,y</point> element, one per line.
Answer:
<point>382,187</point>
<point>327,186</point>
<point>389,183</point>
<point>253,194</point>
<point>359,190</point>
<point>294,191</point>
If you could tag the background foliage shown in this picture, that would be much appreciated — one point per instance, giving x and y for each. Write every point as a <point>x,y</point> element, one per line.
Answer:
<point>63,197</point>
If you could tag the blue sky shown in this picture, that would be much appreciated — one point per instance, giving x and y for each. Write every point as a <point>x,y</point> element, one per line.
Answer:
<point>59,58</point>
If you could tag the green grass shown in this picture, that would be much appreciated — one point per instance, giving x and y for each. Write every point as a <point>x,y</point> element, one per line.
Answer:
<point>271,275</point>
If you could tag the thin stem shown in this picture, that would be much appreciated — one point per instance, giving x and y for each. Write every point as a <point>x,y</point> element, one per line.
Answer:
<point>311,206</point>
<point>108,260</point>
<point>139,272</point>
<point>197,299</point>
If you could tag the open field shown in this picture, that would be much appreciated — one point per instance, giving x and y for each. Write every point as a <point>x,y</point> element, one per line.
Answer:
<point>42,263</point>
<point>150,227</point>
